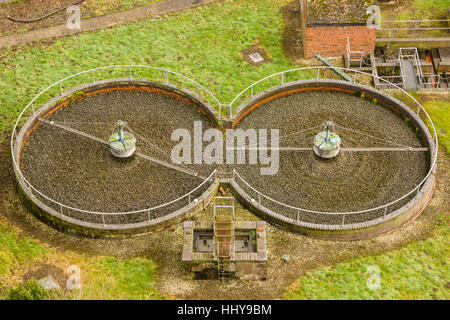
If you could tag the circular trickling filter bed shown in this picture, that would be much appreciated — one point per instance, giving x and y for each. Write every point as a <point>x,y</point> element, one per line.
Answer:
<point>62,160</point>
<point>357,178</point>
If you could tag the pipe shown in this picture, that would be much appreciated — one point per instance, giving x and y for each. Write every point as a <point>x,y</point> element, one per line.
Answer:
<point>46,15</point>
<point>343,75</point>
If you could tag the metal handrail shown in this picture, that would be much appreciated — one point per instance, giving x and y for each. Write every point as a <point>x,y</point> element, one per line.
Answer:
<point>418,25</point>
<point>92,71</point>
<point>251,87</point>
<point>120,213</point>
<point>385,206</point>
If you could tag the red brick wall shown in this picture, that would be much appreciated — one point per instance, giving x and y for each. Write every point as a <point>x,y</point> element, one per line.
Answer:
<point>330,41</point>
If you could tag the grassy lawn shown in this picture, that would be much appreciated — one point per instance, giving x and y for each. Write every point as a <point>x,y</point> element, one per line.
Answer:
<point>181,42</point>
<point>110,278</point>
<point>15,251</point>
<point>418,10</point>
<point>101,277</point>
<point>418,271</point>
<point>439,112</point>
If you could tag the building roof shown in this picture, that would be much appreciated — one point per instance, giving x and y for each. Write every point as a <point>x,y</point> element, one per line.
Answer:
<point>338,11</point>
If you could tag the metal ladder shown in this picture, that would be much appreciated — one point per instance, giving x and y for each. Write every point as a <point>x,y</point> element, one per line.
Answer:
<point>224,244</point>
<point>350,54</point>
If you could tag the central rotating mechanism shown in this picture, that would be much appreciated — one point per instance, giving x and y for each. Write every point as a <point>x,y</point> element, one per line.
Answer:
<point>122,144</point>
<point>327,142</point>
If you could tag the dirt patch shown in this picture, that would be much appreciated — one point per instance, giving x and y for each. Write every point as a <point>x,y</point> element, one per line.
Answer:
<point>292,34</point>
<point>31,9</point>
<point>256,49</point>
<point>43,270</point>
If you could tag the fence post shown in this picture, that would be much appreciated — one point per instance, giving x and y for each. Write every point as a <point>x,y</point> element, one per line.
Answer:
<point>343,220</point>
<point>60,89</point>
<point>282,78</point>
<point>385,211</point>
<point>318,73</point>
<point>103,219</point>
<point>93,76</point>
<point>131,77</point>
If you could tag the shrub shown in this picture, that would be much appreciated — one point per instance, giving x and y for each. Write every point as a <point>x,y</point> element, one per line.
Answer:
<point>30,290</point>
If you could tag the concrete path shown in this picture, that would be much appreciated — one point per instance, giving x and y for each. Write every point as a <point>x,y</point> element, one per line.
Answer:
<point>102,22</point>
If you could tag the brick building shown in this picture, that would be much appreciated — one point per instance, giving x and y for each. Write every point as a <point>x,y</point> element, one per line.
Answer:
<point>326,24</point>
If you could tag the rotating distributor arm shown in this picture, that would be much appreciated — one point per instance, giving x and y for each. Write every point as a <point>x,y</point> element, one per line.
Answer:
<point>122,144</point>
<point>327,142</point>
<point>115,138</point>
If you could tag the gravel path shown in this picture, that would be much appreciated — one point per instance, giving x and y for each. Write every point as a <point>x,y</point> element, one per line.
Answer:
<point>82,173</point>
<point>353,180</point>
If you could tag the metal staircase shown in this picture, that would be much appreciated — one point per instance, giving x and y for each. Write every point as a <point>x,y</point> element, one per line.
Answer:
<point>410,68</point>
<point>224,246</point>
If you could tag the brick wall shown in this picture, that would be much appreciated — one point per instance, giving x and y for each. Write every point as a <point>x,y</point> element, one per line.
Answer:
<point>330,41</point>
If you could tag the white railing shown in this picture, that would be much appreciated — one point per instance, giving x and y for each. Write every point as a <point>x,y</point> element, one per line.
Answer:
<point>268,82</point>
<point>384,207</point>
<point>412,28</point>
<point>410,53</point>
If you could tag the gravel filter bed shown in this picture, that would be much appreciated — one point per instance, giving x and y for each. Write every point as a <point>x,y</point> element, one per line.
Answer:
<point>82,173</point>
<point>352,181</point>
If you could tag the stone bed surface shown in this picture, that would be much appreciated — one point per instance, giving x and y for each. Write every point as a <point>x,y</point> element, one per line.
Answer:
<point>350,182</point>
<point>82,173</point>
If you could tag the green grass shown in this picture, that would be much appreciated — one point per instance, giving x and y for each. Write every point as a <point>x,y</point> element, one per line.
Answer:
<point>203,43</point>
<point>11,2</point>
<point>418,271</point>
<point>16,250</point>
<point>102,7</point>
<point>431,9</point>
<point>109,278</point>
<point>421,10</point>
<point>101,277</point>
<point>439,112</point>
